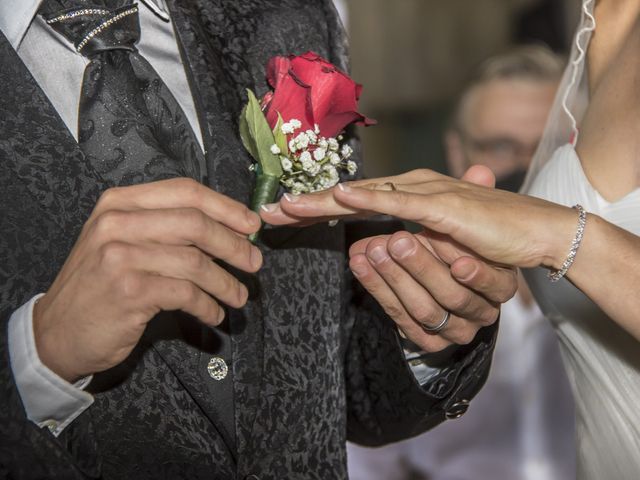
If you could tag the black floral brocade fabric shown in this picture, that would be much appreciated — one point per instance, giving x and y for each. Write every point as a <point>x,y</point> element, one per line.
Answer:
<point>315,361</point>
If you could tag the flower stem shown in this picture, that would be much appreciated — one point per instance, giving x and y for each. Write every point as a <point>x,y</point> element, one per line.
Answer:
<point>265,192</point>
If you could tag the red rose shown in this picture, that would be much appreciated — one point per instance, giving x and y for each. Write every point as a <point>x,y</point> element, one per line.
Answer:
<point>312,90</point>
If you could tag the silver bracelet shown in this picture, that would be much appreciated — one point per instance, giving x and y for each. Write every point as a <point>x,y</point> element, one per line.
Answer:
<point>575,245</point>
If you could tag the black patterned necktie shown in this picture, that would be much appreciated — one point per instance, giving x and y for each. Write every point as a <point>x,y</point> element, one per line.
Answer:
<point>130,126</point>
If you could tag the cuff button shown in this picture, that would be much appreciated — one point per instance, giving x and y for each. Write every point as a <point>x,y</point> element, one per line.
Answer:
<point>52,425</point>
<point>457,410</point>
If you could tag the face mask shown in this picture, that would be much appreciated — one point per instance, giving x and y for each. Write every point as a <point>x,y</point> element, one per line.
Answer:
<point>513,181</point>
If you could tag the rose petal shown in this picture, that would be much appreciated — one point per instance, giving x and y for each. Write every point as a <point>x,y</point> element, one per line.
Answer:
<point>292,100</point>
<point>266,100</point>
<point>313,90</point>
<point>334,95</point>
<point>277,69</point>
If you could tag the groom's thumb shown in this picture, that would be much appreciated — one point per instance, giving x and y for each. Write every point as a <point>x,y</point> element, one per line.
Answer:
<point>480,175</point>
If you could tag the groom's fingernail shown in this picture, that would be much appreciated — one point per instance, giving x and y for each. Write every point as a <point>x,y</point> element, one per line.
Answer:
<point>359,270</point>
<point>291,198</point>
<point>255,258</point>
<point>253,218</point>
<point>344,187</point>
<point>378,255</point>
<point>269,207</point>
<point>403,247</point>
<point>465,272</point>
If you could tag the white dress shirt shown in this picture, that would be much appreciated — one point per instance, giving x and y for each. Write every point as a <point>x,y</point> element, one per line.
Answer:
<point>49,400</point>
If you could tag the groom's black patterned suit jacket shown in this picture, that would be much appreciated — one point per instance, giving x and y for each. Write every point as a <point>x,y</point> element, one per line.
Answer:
<point>315,360</point>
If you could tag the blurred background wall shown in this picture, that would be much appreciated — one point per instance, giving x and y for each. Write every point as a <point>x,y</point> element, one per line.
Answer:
<point>414,56</point>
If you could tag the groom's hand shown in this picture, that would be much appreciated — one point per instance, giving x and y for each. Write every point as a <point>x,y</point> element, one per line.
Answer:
<point>145,249</point>
<point>410,275</point>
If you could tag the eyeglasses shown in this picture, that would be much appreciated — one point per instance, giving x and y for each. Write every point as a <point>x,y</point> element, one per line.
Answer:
<point>500,148</point>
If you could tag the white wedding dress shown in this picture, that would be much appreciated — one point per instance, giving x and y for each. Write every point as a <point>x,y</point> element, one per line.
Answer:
<point>602,360</point>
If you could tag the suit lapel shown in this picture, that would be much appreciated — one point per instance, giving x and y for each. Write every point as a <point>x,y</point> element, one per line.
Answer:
<point>217,95</point>
<point>35,143</point>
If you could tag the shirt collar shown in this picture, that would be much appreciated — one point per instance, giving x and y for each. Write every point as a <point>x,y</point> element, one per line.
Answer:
<point>17,15</point>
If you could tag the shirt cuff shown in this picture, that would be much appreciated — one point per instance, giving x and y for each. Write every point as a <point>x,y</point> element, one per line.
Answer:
<point>423,365</point>
<point>49,400</point>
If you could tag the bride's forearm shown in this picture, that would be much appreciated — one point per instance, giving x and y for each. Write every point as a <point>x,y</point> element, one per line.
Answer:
<point>607,269</point>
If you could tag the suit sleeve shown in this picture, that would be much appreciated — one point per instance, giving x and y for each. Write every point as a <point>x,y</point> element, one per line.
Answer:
<point>32,246</point>
<point>385,401</point>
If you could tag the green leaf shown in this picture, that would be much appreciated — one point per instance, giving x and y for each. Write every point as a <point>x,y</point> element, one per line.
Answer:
<point>281,138</point>
<point>245,134</point>
<point>258,138</point>
<point>265,192</point>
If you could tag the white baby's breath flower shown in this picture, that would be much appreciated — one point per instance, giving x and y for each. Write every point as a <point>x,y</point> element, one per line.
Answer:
<point>313,138</point>
<point>314,169</point>
<point>275,149</point>
<point>319,154</point>
<point>334,158</point>
<point>302,141</point>
<point>286,128</point>
<point>316,128</point>
<point>325,182</point>
<point>305,157</point>
<point>330,177</point>
<point>346,152</point>
<point>352,167</point>
<point>333,144</point>
<point>295,123</point>
<point>288,182</point>
<point>287,165</point>
<point>322,143</point>
<point>298,188</point>
<point>292,146</point>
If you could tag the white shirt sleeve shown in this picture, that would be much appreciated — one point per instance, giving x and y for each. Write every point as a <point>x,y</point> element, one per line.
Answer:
<point>49,401</point>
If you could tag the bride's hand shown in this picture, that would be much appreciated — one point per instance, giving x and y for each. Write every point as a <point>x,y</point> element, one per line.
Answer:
<point>502,227</point>
<point>417,278</point>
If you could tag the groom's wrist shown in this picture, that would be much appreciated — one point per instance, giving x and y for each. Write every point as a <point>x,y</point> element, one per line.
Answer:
<point>48,350</point>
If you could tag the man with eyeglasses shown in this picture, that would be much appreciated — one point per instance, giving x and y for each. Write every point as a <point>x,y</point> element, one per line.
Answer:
<point>499,119</point>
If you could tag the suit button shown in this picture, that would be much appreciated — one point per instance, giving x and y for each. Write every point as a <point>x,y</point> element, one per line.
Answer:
<point>251,477</point>
<point>217,368</point>
<point>457,410</point>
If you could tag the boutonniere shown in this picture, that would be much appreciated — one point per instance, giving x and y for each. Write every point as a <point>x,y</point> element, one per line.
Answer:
<point>294,133</point>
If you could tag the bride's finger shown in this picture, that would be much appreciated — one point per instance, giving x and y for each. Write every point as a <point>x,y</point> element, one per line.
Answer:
<point>323,206</point>
<point>429,210</point>
<point>317,207</point>
<point>277,214</point>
